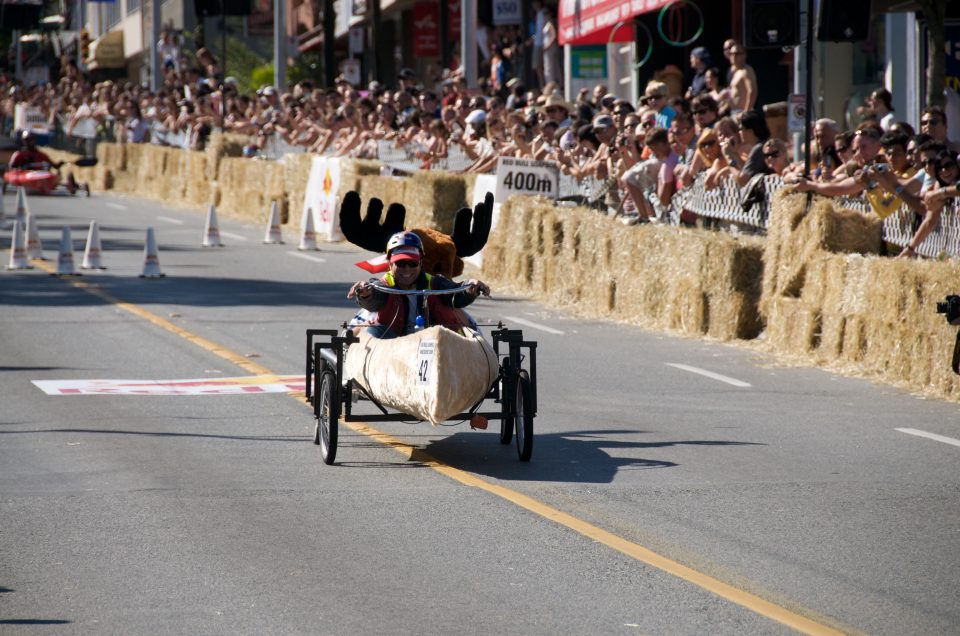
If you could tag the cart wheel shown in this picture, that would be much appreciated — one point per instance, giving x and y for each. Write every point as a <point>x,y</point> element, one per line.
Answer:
<point>327,412</point>
<point>506,414</point>
<point>523,416</point>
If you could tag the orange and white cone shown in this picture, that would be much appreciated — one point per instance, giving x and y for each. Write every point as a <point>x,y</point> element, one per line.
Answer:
<point>273,236</point>
<point>151,258</point>
<point>34,244</point>
<point>65,265</point>
<point>22,210</point>
<point>18,248</point>
<point>211,232</point>
<point>308,238</point>
<point>93,250</point>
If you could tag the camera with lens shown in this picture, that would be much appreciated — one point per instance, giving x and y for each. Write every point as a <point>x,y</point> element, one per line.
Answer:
<point>950,307</point>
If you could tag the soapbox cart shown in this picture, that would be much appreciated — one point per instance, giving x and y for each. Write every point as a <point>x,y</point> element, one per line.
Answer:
<point>514,391</point>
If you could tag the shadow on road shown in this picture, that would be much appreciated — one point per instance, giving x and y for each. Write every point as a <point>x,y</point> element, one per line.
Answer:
<point>574,457</point>
<point>97,431</point>
<point>31,290</point>
<point>33,621</point>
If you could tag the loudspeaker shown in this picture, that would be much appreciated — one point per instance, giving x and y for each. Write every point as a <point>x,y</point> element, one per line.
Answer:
<point>771,23</point>
<point>213,8</point>
<point>843,20</point>
<point>24,16</point>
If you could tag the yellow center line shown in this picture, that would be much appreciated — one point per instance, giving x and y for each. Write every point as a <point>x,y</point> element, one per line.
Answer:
<point>633,550</point>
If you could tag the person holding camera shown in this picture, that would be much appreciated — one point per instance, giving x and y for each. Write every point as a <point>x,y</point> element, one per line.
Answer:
<point>934,200</point>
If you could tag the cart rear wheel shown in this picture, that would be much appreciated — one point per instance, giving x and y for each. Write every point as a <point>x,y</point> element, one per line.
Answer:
<point>327,412</point>
<point>523,416</point>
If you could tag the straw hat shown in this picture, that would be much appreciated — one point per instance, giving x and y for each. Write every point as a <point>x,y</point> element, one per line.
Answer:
<point>554,101</point>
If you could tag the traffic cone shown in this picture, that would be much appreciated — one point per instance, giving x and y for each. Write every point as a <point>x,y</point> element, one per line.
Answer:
<point>91,254</point>
<point>211,233</point>
<point>21,213</point>
<point>151,259</point>
<point>308,239</point>
<point>34,244</point>
<point>274,236</point>
<point>18,249</point>
<point>65,266</point>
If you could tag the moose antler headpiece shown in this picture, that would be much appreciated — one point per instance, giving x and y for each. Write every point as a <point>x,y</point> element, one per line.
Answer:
<point>442,253</point>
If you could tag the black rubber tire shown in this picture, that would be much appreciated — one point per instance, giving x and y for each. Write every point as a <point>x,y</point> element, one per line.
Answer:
<point>523,416</point>
<point>328,416</point>
<point>506,413</point>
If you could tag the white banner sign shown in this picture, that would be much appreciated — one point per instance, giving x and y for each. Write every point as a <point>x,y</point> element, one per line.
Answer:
<point>506,12</point>
<point>526,176</point>
<point>30,118</point>
<point>204,386</point>
<point>484,183</point>
<point>321,197</point>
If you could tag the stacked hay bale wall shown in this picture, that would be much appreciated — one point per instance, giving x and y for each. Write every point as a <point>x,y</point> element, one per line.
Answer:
<point>697,283</point>
<point>815,283</point>
<point>828,297</point>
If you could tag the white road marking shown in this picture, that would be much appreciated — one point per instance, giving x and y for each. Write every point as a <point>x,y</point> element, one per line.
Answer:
<point>933,436</point>
<point>115,206</point>
<point>533,325</point>
<point>709,374</point>
<point>168,219</point>
<point>231,235</point>
<point>204,386</point>
<point>308,257</point>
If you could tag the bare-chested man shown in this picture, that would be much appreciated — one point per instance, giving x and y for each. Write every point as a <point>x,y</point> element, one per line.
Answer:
<point>743,82</point>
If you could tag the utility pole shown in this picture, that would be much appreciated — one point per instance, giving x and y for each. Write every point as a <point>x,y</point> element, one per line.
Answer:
<point>468,41</point>
<point>151,46</point>
<point>279,45</point>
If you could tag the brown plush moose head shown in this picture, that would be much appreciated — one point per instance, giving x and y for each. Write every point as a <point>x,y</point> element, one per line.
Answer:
<point>442,253</point>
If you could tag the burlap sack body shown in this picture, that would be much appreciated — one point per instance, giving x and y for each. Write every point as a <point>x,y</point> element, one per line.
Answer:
<point>457,375</point>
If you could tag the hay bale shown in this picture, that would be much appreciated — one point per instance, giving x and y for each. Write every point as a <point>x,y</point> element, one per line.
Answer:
<point>693,282</point>
<point>433,199</point>
<point>798,233</point>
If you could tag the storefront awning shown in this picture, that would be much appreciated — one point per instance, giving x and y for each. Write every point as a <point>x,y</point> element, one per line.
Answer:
<point>107,51</point>
<point>591,21</point>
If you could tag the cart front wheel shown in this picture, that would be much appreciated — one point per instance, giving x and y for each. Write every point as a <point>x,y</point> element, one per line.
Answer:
<point>523,416</point>
<point>327,411</point>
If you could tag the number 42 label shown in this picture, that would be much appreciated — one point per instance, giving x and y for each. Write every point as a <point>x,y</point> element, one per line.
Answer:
<point>425,361</point>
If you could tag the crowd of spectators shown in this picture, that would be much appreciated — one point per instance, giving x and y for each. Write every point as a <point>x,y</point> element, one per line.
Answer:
<point>712,135</point>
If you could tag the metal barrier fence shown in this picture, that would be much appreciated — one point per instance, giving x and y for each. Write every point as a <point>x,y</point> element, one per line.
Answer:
<point>750,206</point>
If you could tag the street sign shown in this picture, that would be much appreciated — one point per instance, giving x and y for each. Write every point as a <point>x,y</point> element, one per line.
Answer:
<point>526,176</point>
<point>797,113</point>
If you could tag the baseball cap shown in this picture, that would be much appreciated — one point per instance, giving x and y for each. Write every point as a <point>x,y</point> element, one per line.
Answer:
<point>476,117</point>
<point>407,253</point>
<point>603,121</point>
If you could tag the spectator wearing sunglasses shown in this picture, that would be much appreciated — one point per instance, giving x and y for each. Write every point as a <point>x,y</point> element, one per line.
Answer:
<point>775,156</point>
<point>396,315</point>
<point>947,187</point>
<point>933,122</point>
<point>705,112</point>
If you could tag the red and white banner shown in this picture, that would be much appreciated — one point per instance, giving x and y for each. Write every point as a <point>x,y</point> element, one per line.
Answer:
<point>591,21</point>
<point>323,184</point>
<point>426,29</point>
<point>250,385</point>
<point>453,20</point>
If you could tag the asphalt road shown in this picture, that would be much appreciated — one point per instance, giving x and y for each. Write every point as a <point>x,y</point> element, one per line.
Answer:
<point>659,500</point>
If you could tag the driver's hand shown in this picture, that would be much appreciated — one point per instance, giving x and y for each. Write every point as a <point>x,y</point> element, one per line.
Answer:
<point>477,288</point>
<point>361,289</point>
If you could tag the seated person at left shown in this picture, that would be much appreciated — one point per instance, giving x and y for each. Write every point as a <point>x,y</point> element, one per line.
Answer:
<point>395,315</point>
